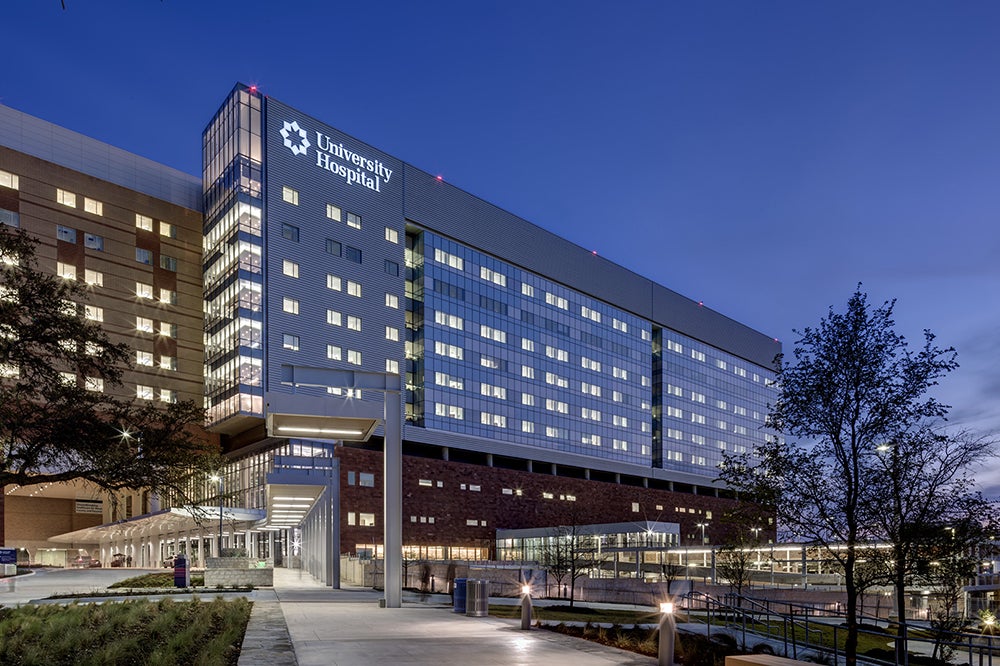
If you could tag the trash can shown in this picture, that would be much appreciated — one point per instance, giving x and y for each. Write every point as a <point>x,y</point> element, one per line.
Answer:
<point>477,598</point>
<point>182,573</point>
<point>458,592</point>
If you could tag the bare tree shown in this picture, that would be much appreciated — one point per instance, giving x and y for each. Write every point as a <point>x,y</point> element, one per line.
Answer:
<point>568,555</point>
<point>855,385</point>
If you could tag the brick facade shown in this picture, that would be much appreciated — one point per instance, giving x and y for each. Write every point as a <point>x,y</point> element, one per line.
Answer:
<point>452,507</point>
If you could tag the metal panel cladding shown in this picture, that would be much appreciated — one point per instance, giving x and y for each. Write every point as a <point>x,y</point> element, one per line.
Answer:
<point>334,247</point>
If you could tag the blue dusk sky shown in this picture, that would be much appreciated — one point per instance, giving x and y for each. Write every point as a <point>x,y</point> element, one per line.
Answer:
<point>761,156</point>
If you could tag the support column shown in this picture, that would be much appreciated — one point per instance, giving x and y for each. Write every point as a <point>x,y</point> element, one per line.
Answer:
<point>333,525</point>
<point>392,512</point>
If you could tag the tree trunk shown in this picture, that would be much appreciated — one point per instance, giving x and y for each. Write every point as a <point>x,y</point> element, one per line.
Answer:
<point>899,582</point>
<point>851,643</point>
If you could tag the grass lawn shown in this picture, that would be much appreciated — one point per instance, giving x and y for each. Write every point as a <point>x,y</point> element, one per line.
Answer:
<point>162,633</point>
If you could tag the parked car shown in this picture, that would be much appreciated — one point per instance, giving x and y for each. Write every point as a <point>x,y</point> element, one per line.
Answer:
<point>118,560</point>
<point>85,562</point>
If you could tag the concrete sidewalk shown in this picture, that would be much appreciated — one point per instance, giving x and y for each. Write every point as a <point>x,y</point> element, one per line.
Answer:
<point>347,628</point>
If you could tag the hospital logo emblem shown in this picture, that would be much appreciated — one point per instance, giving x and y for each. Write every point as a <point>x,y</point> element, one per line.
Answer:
<point>295,138</point>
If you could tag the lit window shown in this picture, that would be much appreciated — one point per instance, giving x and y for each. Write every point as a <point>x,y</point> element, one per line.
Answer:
<point>593,440</point>
<point>528,399</point>
<point>391,235</point>
<point>66,198</point>
<point>675,390</point>
<point>444,379</point>
<point>451,351</point>
<point>490,362</point>
<point>590,364</point>
<point>354,288</point>
<point>720,364</point>
<point>619,421</point>
<point>493,276</point>
<point>144,325</point>
<point>697,418</point>
<point>334,353</point>
<point>557,301</point>
<point>354,220</point>
<point>143,290</point>
<point>65,271</point>
<point>95,384</point>
<point>93,278</point>
<point>590,389</point>
<point>93,241</point>
<point>556,406</point>
<point>168,296</point>
<point>527,426</point>
<point>449,320</point>
<point>168,362</point>
<point>144,256</point>
<point>65,234</point>
<point>556,353</point>
<point>93,207</point>
<point>333,318</point>
<point>353,357</point>
<point>646,335</point>
<point>552,378</point>
<point>143,222</point>
<point>392,301</point>
<point>527,290</point>
<point>289,341</point>
<point>93,313</point>
<point>619,373</point>
<point>392,365</point>
<point>617,396</point>
<point>697,355</point>
<point>675,412</point>
<point>590,314</point>
<point>675,346</point>
<point>491,391</point>
<point>333,282</point>
<point>697,397</point>
<point>492,333</point>
<point>635,507</point>
<point>448,259</point>
<point>290,305</point>
<point>168,330</point>
<point>619,325</point>
<point>168,263</point>
<point>290,268</point>
<point>527,345</point>
<point>590,414</point>
<point>144,358</point>
<point>698,439</point>
<point>392,333</point>
<point>449,411</point>
<point>143,392</point>
<point>527,372</point>
<point>289,195</point>
<point>8,179</point>
<point>68,378</point>
<point>333,212</point>
<point>353,323</point>
<point>495,420</point>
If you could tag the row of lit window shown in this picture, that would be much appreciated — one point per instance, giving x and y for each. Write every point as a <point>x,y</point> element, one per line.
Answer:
<point>457,353</point>
<point>722,364</point>
<point>353,220</point>
<point>500,421</point>
<point>499,279</point>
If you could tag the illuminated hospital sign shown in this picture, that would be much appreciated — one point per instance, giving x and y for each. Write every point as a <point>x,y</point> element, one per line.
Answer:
<point>332,156</point>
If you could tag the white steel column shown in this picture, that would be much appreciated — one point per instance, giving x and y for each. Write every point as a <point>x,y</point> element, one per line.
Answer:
<point>393,493</point>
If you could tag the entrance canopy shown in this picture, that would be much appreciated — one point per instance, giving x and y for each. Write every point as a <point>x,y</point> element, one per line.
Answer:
<point>167,521</point>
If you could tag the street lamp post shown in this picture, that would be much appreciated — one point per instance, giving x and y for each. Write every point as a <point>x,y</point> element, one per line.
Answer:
<point>666,635</point>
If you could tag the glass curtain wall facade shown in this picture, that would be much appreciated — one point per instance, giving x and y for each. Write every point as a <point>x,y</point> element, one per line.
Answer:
<point>233,248</point>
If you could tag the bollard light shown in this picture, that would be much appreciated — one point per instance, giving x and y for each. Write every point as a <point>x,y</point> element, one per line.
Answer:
<point>525,607</point>
<point>666,639</point>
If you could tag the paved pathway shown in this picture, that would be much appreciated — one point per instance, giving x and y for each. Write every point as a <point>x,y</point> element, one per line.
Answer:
<point>347,628</point>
